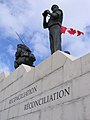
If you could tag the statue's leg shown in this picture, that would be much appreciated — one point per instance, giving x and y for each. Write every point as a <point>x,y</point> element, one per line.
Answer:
<point>51,41</point>
<point>56,37</point>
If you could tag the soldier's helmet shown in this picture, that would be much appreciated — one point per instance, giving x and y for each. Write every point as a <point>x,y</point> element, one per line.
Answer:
<point>54,7</point>
<point>24,47</point>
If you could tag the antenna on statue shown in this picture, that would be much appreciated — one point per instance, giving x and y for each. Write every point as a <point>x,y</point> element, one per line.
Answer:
<point>19,38</point>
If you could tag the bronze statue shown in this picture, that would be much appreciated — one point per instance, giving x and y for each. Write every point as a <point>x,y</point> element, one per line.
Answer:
<point>23,56</point>
<point>54,24</point>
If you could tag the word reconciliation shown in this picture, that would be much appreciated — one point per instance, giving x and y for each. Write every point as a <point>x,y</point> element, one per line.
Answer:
<point>46,99</point>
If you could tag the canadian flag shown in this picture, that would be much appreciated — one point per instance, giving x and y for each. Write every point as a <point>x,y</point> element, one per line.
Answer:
<point>71,31</point>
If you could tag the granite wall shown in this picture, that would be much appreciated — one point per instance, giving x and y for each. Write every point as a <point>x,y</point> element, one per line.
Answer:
<point>56,89</point>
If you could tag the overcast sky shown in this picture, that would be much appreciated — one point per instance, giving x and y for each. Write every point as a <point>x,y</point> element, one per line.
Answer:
<point>25,17</point>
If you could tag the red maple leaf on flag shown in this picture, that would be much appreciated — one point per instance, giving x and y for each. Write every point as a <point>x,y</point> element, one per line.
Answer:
<point>79,33</point>
<point>63,29</point>
<point>71,31</point>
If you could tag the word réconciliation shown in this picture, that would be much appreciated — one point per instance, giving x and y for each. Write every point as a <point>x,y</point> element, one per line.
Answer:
<point>24,94</point>
<point>49,98</point>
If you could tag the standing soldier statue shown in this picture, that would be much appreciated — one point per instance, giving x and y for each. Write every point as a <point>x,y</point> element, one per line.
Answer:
<point>23,56</point>
<point>54,24</point>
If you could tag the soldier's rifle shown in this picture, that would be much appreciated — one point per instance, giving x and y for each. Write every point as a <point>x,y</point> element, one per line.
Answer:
<point>19,37</point>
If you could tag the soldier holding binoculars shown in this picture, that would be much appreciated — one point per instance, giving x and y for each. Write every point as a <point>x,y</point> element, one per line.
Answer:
<point>54,24</point>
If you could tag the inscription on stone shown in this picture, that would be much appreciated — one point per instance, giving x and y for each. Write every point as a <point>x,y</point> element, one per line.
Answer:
<point>49,98</point>
<point>24,94</point>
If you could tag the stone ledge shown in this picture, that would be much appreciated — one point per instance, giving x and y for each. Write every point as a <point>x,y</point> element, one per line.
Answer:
<point>3,75</point>
<point>14,76</point>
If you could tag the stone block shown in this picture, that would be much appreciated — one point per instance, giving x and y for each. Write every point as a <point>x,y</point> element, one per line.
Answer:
<point>8,92</point>
<point>6,104</point>
<point>79,110</point>
<point>73,110</point>
<point>16,118</point>
<point>6,82</point>
<point>87,107</point>
<point>28,78</point>
<point>72,58</point>
<point>0,106</point>
<point>52,80</point>
<point>57,112</point>
<point>20,118</point>
<point>17,86</point>
<point>3,75</point>
<point>72,69</point>
<point>1,86</point>
<point>17,74</point>
<point>85,61</point>
<point>13,111</point>
<point>4,115</point>
<point>59,59</point>
<point>3,104</point>
<point>46,114</point>
<point>33,116</point>
<point>68,112</point>
<point>1,95</point>
<point>22,70</point>
<point>43,69</point>
<point>81,86</point>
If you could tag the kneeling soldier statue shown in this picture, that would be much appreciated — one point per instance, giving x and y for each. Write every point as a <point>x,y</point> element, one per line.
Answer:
<point>23,56</point>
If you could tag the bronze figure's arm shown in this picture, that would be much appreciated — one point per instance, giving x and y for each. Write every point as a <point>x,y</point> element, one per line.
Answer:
<point>45,24</point>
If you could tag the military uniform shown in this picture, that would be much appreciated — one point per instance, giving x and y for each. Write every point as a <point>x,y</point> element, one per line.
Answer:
<point>23,56</point>
<point>54,25</point>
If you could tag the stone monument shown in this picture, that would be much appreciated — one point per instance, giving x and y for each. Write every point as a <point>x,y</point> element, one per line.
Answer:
<point>56,89</point>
